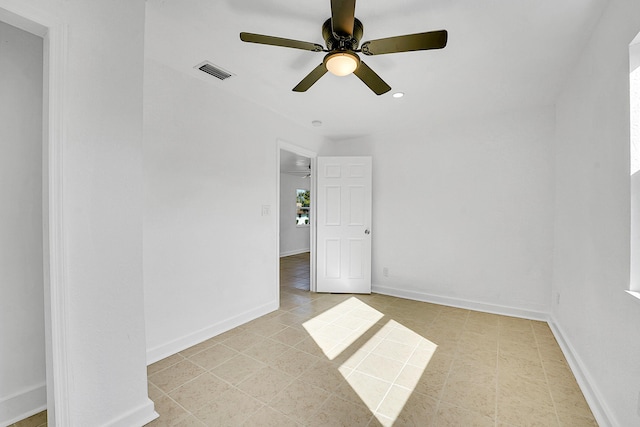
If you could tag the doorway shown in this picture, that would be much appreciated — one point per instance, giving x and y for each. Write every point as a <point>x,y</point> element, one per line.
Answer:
<point>52,32</point>
<point>23,391</point>
<point>296,218</point>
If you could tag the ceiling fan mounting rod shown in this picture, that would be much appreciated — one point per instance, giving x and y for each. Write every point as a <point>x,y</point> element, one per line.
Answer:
<point>336,42</point>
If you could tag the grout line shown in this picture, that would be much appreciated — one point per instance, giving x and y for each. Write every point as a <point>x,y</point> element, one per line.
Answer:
<point>546,376</point>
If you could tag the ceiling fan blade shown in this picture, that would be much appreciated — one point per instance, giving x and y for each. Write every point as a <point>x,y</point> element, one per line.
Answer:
<point>311,78</point>
<point>411,42</point>
<point>371,79</point>
<point>343,17</point>
<point>279,41</point>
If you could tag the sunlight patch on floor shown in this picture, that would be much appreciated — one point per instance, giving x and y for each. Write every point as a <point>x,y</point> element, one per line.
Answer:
<point>384,370</point>
<point>336,329</point>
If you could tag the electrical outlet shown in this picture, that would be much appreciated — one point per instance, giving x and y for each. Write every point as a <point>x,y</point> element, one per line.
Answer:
<point>266,210</point>
<point>385,271</point>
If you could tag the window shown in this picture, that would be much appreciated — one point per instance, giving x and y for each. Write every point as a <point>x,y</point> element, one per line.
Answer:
<point>303,198</point>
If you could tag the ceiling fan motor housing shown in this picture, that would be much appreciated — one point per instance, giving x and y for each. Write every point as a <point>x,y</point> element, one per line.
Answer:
<point>335,42</point>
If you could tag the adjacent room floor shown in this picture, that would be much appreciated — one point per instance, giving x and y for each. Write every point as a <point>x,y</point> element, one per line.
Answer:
<point>369,360</point>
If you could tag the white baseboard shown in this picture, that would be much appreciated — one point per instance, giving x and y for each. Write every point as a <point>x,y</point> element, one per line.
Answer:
<point>461,303</point>
<point>173,347</point>
<point>296,252</point>
<point>601,412</point>
<point>139,416</point>
<point>23,404</point>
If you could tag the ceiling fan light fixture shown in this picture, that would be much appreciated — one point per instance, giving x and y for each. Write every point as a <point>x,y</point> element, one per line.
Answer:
<point>342,63</point>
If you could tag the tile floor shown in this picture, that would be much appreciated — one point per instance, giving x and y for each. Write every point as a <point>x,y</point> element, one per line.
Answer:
<point>369,360</point>
<point>37,420</point>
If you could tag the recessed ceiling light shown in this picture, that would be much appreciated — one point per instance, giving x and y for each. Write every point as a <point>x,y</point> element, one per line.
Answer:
<point>316,123</point>
<point>398,95</point>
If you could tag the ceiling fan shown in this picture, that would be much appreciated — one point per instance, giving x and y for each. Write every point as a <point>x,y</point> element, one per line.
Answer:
<point>342,33</point>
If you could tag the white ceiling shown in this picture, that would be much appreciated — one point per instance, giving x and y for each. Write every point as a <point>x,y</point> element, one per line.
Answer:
<point>501,55</point>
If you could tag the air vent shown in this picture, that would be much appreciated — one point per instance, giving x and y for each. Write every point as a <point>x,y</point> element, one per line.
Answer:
<point>214,70</point>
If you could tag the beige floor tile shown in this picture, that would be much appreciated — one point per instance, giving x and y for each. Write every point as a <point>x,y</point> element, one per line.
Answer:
<point>299,400</point>
<point>35,420</point>
<point>526,416</point>
<point>198,392</point>
<point>294,362</point>
<point>380,367</point>
<point>472,340</point>
<point>418,380</point>
<point>528,391</point>
<point>164,363</point>
<point>409,363</point>
<point>213,356</point>
<point>232,408</point>
<point>476,397</point>
<point>154,392</point>
<point>571,419</point>
<point>559,374</point>
<point>419,410</point>
<point>340,413</point>
<point>288,318</point>
<point>290,336</point>
<point>394,401</point>
<point>176,375</point>
<point>403,335</point>
<point>326,375</point>
<point>487,360</point>
<point>266,328</point>
<point>515,366</point>
<point>265,384</point>
<point>363,390</point>
<point>473,373</point>
<point>199,347</point>
<point>237,369</point>
<point>393,350</point>
<point>170,412</point>
<point>190,421</point>
<point>552,353</point>
<point>268,417</point>
<point>454,416</point>
<point>266,350</point>
<point>570,400</point>
<point>243,340</point>
<point>309,345</point>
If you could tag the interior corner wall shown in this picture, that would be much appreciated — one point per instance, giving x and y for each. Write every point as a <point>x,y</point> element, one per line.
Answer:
<point>294,239</point>
<point>596,318</point>
<point>210,257</point>
<point>100,48</point>
<point>22,336</point>
<point>463,212</point>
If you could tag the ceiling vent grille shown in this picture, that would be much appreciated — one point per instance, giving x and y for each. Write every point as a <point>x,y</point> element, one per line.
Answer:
<point>213,70</point>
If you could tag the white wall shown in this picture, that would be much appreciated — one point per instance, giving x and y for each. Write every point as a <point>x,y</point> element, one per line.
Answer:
<point>293,239</point>
<point>101,113</point>
<point>597,319</point>
<point>22,338</point>
<point>463,212</point>
<point>210,259</point>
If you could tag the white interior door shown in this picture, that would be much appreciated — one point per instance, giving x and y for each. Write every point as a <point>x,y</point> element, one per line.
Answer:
<point>344,225</point>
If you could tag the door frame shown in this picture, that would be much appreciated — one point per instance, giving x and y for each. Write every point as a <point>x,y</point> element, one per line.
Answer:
<point>53,33</point>
<point>312,155</point>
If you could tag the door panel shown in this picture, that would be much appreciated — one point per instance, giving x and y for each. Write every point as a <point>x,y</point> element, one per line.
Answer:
<point>343,224</point>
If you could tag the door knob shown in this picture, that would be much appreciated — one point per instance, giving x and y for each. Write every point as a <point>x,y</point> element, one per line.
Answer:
<point>367,231</point>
